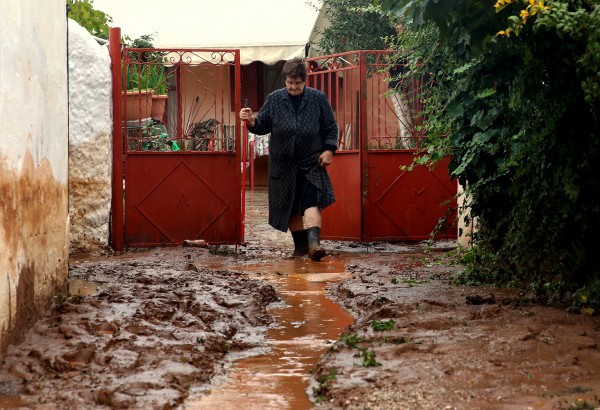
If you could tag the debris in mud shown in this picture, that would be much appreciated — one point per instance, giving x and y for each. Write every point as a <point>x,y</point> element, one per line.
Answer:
<point>196,243</point>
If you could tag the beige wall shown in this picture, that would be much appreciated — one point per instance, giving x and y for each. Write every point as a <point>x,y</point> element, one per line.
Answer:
<point>33,161</point>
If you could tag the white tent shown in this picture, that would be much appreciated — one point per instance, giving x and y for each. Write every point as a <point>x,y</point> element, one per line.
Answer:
<point>263,30</point>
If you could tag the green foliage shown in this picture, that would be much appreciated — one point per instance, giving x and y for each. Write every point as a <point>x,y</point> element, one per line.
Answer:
<point>369,358</point>
<point>518,115</point>
<point>382,325</point>
<point>354,25</point>
<point>94,21</point>
<point>580,23</point>
<point>146,77</point>
<point>325,380</point>
<point>587,299</point>
<point>351,340</point>
<point>145,70</point>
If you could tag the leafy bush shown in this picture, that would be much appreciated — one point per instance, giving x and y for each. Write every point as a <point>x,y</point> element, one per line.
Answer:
<point>519,116</point>
<point>94,21</point>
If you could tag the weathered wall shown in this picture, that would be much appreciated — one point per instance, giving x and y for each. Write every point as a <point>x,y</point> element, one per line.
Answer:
<point>33,161</point>
<point>467,226</point>
<point>90,150</point>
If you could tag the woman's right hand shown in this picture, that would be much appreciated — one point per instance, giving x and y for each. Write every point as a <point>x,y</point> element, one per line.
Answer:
<point>246,116</point>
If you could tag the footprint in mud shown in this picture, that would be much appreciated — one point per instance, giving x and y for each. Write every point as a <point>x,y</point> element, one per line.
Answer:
<point>139,330</point>
<point>104,328</point>
<point>80,357</point>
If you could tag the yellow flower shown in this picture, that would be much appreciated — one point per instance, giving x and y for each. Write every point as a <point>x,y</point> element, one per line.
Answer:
<point>501,33</point>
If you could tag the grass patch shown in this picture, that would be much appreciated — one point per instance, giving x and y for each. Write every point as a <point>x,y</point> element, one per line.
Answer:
<point>383,325</point>
<point>320,392</point>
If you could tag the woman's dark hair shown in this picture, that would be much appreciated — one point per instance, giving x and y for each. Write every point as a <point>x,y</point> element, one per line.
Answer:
<point>296,67</point>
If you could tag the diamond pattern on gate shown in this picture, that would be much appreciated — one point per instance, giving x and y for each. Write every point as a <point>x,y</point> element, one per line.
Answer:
<point>182,203</point>
<point>418,207</point>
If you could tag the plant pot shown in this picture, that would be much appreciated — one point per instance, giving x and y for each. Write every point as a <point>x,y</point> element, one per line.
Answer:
<point>137,105</point>
<point>159,103</point>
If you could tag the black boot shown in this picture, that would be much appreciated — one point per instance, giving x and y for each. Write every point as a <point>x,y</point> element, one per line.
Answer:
<point>315,251</point>
<point>300,242</point>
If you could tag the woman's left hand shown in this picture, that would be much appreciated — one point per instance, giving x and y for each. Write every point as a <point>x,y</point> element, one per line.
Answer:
<point>326,158</point>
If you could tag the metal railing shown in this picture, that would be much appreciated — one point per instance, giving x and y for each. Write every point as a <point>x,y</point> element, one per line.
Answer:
<point>374,93</point>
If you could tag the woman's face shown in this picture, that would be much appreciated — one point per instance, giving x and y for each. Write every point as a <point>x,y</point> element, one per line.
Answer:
<point>294,85</point>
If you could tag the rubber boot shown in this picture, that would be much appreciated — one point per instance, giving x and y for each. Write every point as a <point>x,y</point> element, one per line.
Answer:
<point>300,242</point>
<point>315,252</point>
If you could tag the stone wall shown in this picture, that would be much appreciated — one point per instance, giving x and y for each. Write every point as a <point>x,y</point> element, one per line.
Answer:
<point>90,142</point>
<point>33,161</point>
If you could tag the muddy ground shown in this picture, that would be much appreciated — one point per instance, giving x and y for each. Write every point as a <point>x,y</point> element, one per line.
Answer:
<point>421,342</point>
<point>143,329</point>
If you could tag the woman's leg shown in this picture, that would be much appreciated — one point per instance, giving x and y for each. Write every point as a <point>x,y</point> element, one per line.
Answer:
<point>312,218</point>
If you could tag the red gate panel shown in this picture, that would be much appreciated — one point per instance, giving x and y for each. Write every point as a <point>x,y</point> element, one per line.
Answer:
<point>406,205</point>
<point>171,198</point>
<point>342,218</point>
<point>183,163</point>
<point>380,125</point>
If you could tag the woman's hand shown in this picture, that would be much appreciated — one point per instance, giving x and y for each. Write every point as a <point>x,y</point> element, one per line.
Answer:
<point>326,158</point>
<point>246,116</point>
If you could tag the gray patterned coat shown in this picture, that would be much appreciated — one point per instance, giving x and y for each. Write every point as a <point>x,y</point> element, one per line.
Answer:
<point>296,141</point>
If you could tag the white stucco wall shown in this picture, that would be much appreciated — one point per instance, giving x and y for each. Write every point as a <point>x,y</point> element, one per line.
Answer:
<point>90,149</point>
<point>33,161</point>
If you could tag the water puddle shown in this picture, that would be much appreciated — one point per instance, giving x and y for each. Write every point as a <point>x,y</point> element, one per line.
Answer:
<point>79,287</point>
<point>306,324</point>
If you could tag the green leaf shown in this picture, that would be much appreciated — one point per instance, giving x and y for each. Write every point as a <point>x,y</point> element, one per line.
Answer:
<point>455,109</point>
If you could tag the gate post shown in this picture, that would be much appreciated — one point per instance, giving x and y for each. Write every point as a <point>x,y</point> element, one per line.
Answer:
<point>117,157</point>
<point>363,145</point>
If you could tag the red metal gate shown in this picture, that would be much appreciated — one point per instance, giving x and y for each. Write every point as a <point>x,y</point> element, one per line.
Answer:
<point>378,133</point>
<point>181,146</point>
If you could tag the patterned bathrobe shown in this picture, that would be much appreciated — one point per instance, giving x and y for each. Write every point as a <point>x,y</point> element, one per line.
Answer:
<point>296,141</point>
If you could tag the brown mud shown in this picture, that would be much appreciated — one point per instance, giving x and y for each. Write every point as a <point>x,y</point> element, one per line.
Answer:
<point>253,328</point>
<point>421,342</point>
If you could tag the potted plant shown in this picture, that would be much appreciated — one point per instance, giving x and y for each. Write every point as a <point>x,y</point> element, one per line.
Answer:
<point>144,78</point>
<point>157,81</point>
<point>137,97</point>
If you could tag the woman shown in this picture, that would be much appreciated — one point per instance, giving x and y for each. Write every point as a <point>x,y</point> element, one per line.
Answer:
<point>302,143</point>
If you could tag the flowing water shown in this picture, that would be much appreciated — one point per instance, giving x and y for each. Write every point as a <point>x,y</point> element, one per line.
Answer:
<point>306,324</point>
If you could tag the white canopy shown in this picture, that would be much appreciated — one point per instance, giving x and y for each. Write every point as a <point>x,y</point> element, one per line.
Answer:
<point>263,30</point>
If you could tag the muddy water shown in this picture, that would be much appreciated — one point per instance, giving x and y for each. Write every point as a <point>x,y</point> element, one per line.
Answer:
<point>306,324</point>
<point>11,402</point>
<point>81,287</point>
